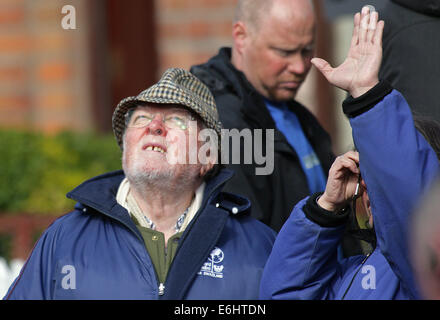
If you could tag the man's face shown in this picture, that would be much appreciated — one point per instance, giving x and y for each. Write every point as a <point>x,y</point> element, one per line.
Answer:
<point>153,133</point>
<point>276,54</point>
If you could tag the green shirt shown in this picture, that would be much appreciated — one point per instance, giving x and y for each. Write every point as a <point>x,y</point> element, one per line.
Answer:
<point>161,256</point>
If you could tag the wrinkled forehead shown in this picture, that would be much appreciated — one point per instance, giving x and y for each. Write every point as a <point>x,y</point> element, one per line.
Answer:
<point>288,27</point>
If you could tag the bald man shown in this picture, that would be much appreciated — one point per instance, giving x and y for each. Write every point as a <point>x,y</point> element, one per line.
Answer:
<point>254,84</point>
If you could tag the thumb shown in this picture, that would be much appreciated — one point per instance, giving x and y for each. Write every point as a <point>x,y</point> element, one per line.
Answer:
<point>323,66</point>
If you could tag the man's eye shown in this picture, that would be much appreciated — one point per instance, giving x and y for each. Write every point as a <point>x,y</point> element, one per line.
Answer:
<point>177,122</point>
<point>176,119</point>
<point>283,53</point>
<point>307,51</point>
<point>141,119</point>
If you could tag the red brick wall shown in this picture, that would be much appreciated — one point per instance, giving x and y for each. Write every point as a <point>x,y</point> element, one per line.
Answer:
<point>43,68</point>
<point>191,31</point>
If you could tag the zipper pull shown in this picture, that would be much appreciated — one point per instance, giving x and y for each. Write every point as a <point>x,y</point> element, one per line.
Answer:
<point>161,289</point>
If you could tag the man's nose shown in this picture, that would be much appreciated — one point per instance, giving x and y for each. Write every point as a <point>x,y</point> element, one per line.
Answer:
<point>156,126</point>
<point>298,64</point>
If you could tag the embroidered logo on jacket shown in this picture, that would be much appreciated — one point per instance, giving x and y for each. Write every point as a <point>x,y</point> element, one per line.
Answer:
<point>213,267</point>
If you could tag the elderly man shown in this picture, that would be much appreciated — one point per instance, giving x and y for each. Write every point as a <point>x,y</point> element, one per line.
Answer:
<point>161,229</point>
<point>255,84</point>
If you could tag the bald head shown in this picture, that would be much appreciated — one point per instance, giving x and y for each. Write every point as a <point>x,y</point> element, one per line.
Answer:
<point>251,12</point>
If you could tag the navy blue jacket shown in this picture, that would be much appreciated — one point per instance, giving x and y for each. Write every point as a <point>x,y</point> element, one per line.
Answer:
<point>96,251</point>
<point>398,165</point>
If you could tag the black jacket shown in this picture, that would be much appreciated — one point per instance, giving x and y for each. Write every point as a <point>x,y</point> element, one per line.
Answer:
<point>428,7</point>
<point>240,106</point>
<point>411,51</point>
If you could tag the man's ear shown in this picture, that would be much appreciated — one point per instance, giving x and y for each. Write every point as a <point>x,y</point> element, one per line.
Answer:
<point>239,35</point>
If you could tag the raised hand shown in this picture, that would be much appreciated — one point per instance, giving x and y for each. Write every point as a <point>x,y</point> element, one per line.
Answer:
<point>359,72</point>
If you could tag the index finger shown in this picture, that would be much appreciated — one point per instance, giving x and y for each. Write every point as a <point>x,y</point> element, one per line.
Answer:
<point>355,36</point>
<point>353,155</point>
<point>346,162</point>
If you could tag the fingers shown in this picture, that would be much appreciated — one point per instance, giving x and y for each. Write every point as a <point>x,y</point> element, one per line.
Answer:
<point>350,156</point>
<point>347,162</point>
<point>353,155</point>
<point>377,39</point>
<point>323,66</point>
<point>374,16</point>
<point>356,23</point>
<point>345,165</point>
<point>365,20</point>
<point>370,29</point>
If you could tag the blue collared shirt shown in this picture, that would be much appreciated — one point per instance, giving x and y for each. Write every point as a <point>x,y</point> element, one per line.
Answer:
<point>287,122</point>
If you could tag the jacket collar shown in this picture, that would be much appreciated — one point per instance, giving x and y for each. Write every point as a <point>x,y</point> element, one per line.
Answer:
<point>100,192</point>
<point>253,107</point>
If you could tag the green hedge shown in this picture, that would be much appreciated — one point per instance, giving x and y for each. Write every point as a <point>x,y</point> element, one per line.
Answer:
<point>36,170</point>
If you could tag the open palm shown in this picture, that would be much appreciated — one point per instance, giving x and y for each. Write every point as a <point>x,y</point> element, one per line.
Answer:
<point>359,72</point>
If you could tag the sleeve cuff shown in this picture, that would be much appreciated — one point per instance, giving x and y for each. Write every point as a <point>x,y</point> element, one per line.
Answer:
<point>353,107</point>
<point>322,217</point>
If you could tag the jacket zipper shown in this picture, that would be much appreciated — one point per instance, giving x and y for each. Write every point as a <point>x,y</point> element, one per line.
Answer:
<point>161,289</point>
<point>354,276</point>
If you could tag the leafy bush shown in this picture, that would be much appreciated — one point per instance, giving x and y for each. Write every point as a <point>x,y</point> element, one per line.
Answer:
<point>36,170</point>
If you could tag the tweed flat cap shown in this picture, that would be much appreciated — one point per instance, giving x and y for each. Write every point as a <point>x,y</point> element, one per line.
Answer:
<point>176,86</point>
